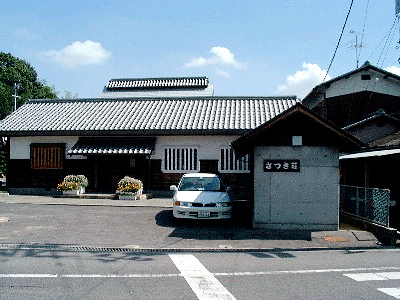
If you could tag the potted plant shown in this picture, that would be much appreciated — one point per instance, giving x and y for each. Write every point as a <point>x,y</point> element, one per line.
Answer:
<point>73,185</point>
<point>129,188</point>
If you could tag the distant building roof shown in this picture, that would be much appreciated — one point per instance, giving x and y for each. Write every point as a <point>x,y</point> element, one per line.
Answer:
<point>158,87</point>
<point>365,67</point>
<point>380,114</point>
<point>141,116</point>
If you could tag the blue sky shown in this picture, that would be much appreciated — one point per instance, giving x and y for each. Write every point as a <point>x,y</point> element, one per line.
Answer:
<point>245,48</point>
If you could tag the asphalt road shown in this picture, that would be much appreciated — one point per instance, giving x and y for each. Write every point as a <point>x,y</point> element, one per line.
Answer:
<point>43,256</point>
<point>153,227</point>
<point>332,274</point>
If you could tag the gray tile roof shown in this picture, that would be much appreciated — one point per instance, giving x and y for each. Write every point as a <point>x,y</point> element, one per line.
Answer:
<point>135,116</point>
<point>158,87</point>
<point>135,145</point>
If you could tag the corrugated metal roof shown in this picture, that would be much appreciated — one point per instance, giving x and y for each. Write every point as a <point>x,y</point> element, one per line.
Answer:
<point>148,115</point>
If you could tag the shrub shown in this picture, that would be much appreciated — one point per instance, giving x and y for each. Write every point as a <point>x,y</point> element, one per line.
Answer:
<point>129,185</point>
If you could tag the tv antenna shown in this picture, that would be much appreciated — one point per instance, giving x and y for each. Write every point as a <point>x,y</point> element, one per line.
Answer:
<point>357,46</point>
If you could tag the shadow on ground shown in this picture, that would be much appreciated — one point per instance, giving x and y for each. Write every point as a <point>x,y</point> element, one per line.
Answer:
<point>234,229</point>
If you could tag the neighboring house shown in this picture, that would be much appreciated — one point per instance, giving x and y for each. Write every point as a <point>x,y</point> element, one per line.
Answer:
<point>154,139</point>
<point>354,96</point>
<point>366,103</point>
<point>374,128</point>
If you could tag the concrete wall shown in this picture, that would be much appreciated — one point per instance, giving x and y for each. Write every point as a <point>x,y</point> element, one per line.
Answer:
<point>297,200</point>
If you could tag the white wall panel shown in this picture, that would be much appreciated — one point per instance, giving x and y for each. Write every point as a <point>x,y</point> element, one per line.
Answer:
<point>20,146</point>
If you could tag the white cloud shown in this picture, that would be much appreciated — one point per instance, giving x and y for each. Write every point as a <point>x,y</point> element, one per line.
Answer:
<point>303,81</point>
<point>223,73</point>
<point>80,54</point>
<point>394,70</point>
<point>219,56</point>
<point>26,34</point>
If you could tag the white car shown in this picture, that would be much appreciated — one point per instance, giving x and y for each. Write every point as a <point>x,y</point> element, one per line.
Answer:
<point>201,196</point>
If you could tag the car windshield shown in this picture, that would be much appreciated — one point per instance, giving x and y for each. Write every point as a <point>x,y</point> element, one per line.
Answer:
<point>200,184</point>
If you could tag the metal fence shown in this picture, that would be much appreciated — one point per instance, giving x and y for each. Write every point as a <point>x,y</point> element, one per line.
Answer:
<point>369,203</point>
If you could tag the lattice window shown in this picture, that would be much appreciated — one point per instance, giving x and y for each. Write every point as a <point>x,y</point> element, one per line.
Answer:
<point>180,159</point>
<point>229,163</point>
<point>47,156</point>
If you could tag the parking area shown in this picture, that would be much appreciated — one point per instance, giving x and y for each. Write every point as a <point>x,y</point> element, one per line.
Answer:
<point>148,225</point>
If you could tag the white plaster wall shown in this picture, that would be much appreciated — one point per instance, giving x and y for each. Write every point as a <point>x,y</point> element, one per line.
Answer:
<point>209,146</point>
<point>297,200</point>
<point>20,146</point>
<point>354,84</point>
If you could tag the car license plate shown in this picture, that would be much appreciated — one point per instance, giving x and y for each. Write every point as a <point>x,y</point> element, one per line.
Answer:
<point>203,214</point>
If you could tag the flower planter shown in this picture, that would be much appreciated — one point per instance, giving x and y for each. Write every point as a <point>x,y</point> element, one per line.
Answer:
<point>128,197</point>
<point>80,191</point>
<point>71,192</point>
<point>129,188</point>
<point>73,185</point>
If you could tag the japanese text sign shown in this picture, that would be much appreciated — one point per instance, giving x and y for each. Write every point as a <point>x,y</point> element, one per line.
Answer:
<point>282,165</point>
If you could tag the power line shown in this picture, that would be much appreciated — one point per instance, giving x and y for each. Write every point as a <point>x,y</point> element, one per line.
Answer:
<point>340,38</point>
<point>388,41</point>
<point>365,19</point>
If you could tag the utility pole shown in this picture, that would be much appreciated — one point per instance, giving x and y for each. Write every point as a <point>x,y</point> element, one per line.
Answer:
<point>15,96</point>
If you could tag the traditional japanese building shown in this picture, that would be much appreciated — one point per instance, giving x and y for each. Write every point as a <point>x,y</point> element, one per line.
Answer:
<point>151,129</point>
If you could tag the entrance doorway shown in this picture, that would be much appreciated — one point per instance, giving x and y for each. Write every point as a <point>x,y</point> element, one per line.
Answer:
<point>109,169</point>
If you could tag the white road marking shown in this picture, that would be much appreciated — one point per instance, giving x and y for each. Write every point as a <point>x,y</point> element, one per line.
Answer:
<point>374,276</point>
<point>29,275</point>
<point>394,292</point>
<point>365,276</point>
<point>305,271</point>
<point>88,275</point>
<point>389,275</point>
<point>202,282</point>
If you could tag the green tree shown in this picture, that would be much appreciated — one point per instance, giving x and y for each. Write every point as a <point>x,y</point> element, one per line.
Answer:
<point>15,72</point>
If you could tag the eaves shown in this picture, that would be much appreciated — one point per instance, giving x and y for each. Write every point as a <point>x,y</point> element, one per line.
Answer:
<point>168,132</point>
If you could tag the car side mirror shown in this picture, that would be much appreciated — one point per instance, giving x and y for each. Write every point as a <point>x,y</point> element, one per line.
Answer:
<point>173,188</point>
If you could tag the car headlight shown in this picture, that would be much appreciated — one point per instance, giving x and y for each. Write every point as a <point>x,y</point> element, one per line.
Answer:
<point>223,204</point>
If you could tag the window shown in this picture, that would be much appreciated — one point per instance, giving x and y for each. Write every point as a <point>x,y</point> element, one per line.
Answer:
<point>230,163</point>
<point>180,159</point>
<point>47,156</point>
<point>365,77</point>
